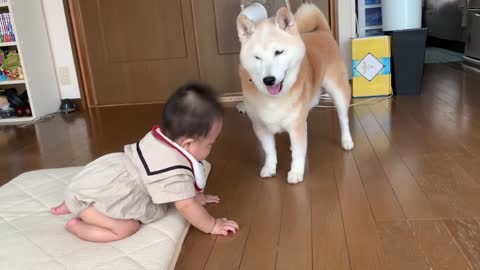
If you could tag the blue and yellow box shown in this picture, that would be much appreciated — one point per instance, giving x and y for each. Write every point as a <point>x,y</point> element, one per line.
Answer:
<point>371,66</point>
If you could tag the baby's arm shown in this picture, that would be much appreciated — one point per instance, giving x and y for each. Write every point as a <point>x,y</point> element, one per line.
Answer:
<point>198,216</point>
<point>204,199</point>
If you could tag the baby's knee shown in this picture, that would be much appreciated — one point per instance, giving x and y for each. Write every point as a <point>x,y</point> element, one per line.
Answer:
<point>128,228</point>
<point>72,224</point>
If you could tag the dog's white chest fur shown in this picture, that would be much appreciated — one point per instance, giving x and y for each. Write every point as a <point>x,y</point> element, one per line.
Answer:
<point>271,113</point>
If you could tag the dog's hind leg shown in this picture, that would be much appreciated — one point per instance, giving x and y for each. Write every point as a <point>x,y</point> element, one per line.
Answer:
<point>267,140</point>
<point>339,91</point>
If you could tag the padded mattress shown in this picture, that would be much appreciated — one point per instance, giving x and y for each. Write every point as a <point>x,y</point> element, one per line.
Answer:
<point>32,238</point>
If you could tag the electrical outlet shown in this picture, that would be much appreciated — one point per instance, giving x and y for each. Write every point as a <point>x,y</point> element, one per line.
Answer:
<point>64,74</point>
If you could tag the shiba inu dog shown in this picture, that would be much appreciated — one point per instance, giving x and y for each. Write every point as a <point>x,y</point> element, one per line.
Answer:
<point>285,61</point>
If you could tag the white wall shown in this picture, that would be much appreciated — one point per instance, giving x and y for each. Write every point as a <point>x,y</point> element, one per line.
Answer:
<point>346,30</point>
<point>61,48</point>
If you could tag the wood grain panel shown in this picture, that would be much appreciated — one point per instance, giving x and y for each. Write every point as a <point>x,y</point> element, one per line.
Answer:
<point>438,245</point>
<point>221,71</point>
<point>412,199</point>
<point>152,30</point>
<point>467,234</point>
<point>226,13</point>
<point>400,247</point>
<point>364,246</point>
<point>382,198</point>
<point>132,64</point>
<point>329,246</point>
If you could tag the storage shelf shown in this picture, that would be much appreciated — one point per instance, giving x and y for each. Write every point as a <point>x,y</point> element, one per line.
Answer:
<point>8,82</point>
<point>34,50</point>
<point>6,44</point>
<point>373,27</point>
<point>15,119</point>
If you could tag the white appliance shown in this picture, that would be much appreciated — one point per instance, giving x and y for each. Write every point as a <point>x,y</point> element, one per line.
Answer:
<point>401,14</point>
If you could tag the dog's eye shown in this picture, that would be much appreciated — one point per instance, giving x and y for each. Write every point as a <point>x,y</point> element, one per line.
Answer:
<point>279,52</point>
<point>258,58</point>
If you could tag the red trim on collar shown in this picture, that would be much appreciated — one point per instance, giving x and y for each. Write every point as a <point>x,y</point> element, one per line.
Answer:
<point>161,138</point>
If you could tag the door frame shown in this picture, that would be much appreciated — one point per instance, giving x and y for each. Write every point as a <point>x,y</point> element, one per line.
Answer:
<point>80,51</point>
<point>81,55</point>
<point>332,17</point>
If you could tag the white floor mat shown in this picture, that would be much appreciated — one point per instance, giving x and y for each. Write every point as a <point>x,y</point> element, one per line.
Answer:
<point>32,238</point>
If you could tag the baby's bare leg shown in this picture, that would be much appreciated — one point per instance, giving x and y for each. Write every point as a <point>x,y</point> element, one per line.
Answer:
<point>61,209</point>
<point>96,227</point>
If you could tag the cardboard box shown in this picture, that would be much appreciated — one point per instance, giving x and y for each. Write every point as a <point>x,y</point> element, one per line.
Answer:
<point>371,67</point>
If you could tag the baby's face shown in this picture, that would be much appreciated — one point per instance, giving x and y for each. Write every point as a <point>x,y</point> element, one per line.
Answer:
<point>201,147</point>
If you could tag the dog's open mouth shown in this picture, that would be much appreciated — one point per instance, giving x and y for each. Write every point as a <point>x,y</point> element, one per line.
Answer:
<point>275,89</point>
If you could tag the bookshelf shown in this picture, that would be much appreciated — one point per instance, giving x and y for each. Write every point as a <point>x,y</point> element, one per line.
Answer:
<point>8,44</point>
<point>10,82</point>
<point>23,31</point>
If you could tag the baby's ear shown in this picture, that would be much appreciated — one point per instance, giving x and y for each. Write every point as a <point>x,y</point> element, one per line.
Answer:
<point>245,28</point>
<point>185,142</point>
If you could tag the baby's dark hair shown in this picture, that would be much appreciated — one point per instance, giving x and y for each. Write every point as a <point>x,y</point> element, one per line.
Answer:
<point>191,111</point>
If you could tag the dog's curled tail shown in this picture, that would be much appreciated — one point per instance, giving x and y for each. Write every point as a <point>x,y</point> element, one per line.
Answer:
<point>309,18</point>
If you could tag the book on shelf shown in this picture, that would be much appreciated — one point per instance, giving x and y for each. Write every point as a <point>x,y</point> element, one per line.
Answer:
<point>6,29</point>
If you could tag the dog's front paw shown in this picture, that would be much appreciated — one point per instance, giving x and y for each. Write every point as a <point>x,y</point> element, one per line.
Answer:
<point>241,108</point>
<point>295,177</point>
<point>347,143</point>
<point>268,171</point>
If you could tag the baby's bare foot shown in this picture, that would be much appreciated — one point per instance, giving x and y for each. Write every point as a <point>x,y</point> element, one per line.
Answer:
<point>60,210</point>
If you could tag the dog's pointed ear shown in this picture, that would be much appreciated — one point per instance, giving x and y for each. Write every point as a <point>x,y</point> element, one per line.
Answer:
<point>245,28</point>
<point>285,19</point>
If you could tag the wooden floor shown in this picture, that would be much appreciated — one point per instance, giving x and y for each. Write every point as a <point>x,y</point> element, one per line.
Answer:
<point>407,197</point>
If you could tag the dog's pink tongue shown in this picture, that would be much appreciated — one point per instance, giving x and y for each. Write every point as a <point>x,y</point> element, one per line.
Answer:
<point>275,89</point>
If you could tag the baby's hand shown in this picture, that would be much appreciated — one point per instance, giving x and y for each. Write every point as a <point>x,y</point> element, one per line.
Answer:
<point>223,226</point>
<point>205,199</point>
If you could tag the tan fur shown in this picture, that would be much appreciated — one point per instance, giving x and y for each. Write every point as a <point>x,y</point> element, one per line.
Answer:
<point>310,19</point>
<point>322,59</point>
<point>322,66</point>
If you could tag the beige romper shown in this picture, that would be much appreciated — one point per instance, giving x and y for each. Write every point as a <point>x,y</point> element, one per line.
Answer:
<point>136,184</point>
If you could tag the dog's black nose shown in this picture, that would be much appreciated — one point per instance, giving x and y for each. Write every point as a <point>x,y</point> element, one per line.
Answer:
<point>269,80</point>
